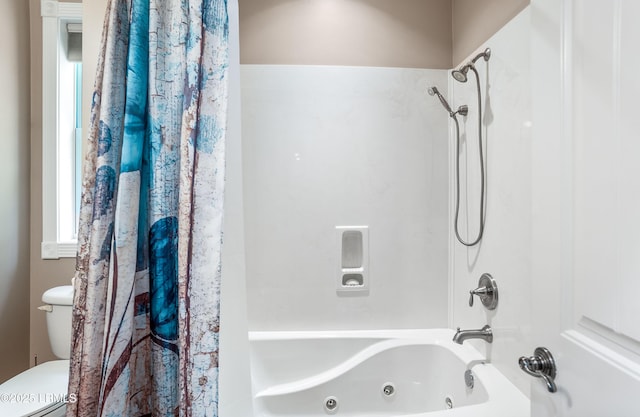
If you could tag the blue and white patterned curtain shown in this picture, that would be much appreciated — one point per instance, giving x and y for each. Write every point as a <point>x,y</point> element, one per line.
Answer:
<point>146,305</point>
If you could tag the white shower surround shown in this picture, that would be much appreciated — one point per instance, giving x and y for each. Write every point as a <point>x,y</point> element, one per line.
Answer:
<point>344,146</point>
<point>505,251</point>
<point>326,146</point>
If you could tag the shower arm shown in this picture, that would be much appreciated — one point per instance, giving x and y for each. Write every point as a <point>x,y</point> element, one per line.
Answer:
<point>486,54</point>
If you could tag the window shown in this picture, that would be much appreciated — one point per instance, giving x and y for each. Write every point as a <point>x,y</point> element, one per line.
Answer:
<point>61,126</point>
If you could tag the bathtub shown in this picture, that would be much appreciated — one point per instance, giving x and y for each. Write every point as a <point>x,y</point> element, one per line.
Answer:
<point>411,373</point>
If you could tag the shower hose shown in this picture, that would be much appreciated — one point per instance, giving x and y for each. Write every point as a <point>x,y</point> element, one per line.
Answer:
<point>482,173</point>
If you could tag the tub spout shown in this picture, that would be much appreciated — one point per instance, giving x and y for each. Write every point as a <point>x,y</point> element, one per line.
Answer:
<point>485,334</point>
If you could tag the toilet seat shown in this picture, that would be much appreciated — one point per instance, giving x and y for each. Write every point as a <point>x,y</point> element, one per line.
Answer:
<point>37,392</point>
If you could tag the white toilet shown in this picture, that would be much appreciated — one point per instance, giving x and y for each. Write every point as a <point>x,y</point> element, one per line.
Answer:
<point>42,390</point>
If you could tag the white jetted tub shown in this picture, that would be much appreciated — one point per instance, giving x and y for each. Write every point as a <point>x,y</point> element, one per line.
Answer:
<point>417,373</point>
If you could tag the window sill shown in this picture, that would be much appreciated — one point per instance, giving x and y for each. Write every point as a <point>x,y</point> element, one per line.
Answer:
<point>57,250</point>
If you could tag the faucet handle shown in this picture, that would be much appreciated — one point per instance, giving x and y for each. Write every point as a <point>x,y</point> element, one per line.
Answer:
<point>480,291</point>
<point>541,365</point>
<point>487,291</point>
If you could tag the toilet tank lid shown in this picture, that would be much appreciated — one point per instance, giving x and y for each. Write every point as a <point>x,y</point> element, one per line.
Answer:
<point>61,296</point>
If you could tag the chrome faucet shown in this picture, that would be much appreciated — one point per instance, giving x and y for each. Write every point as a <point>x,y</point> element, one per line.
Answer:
<point>485,334</point>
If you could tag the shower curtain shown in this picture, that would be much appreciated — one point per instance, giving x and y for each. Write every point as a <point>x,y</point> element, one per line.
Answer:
<point>147,296</point>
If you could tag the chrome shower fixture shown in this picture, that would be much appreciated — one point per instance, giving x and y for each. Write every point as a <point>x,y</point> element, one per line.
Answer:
<point>433,91</point>
<point>461,73</point>
<point>463,110</point>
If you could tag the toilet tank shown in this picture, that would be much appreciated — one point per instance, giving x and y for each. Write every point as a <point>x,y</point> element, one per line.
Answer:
<point>59,302</point>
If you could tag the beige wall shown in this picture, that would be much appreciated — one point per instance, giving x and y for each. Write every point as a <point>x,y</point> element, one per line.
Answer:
<point>50,273</point>
<point>476,21</point>
<point>380,33</point>
<point>14,187</point>
<point>403,33</point>
<point>44,274</point>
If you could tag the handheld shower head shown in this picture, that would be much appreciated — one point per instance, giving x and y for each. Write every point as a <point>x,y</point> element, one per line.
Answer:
<point>433,91</point>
